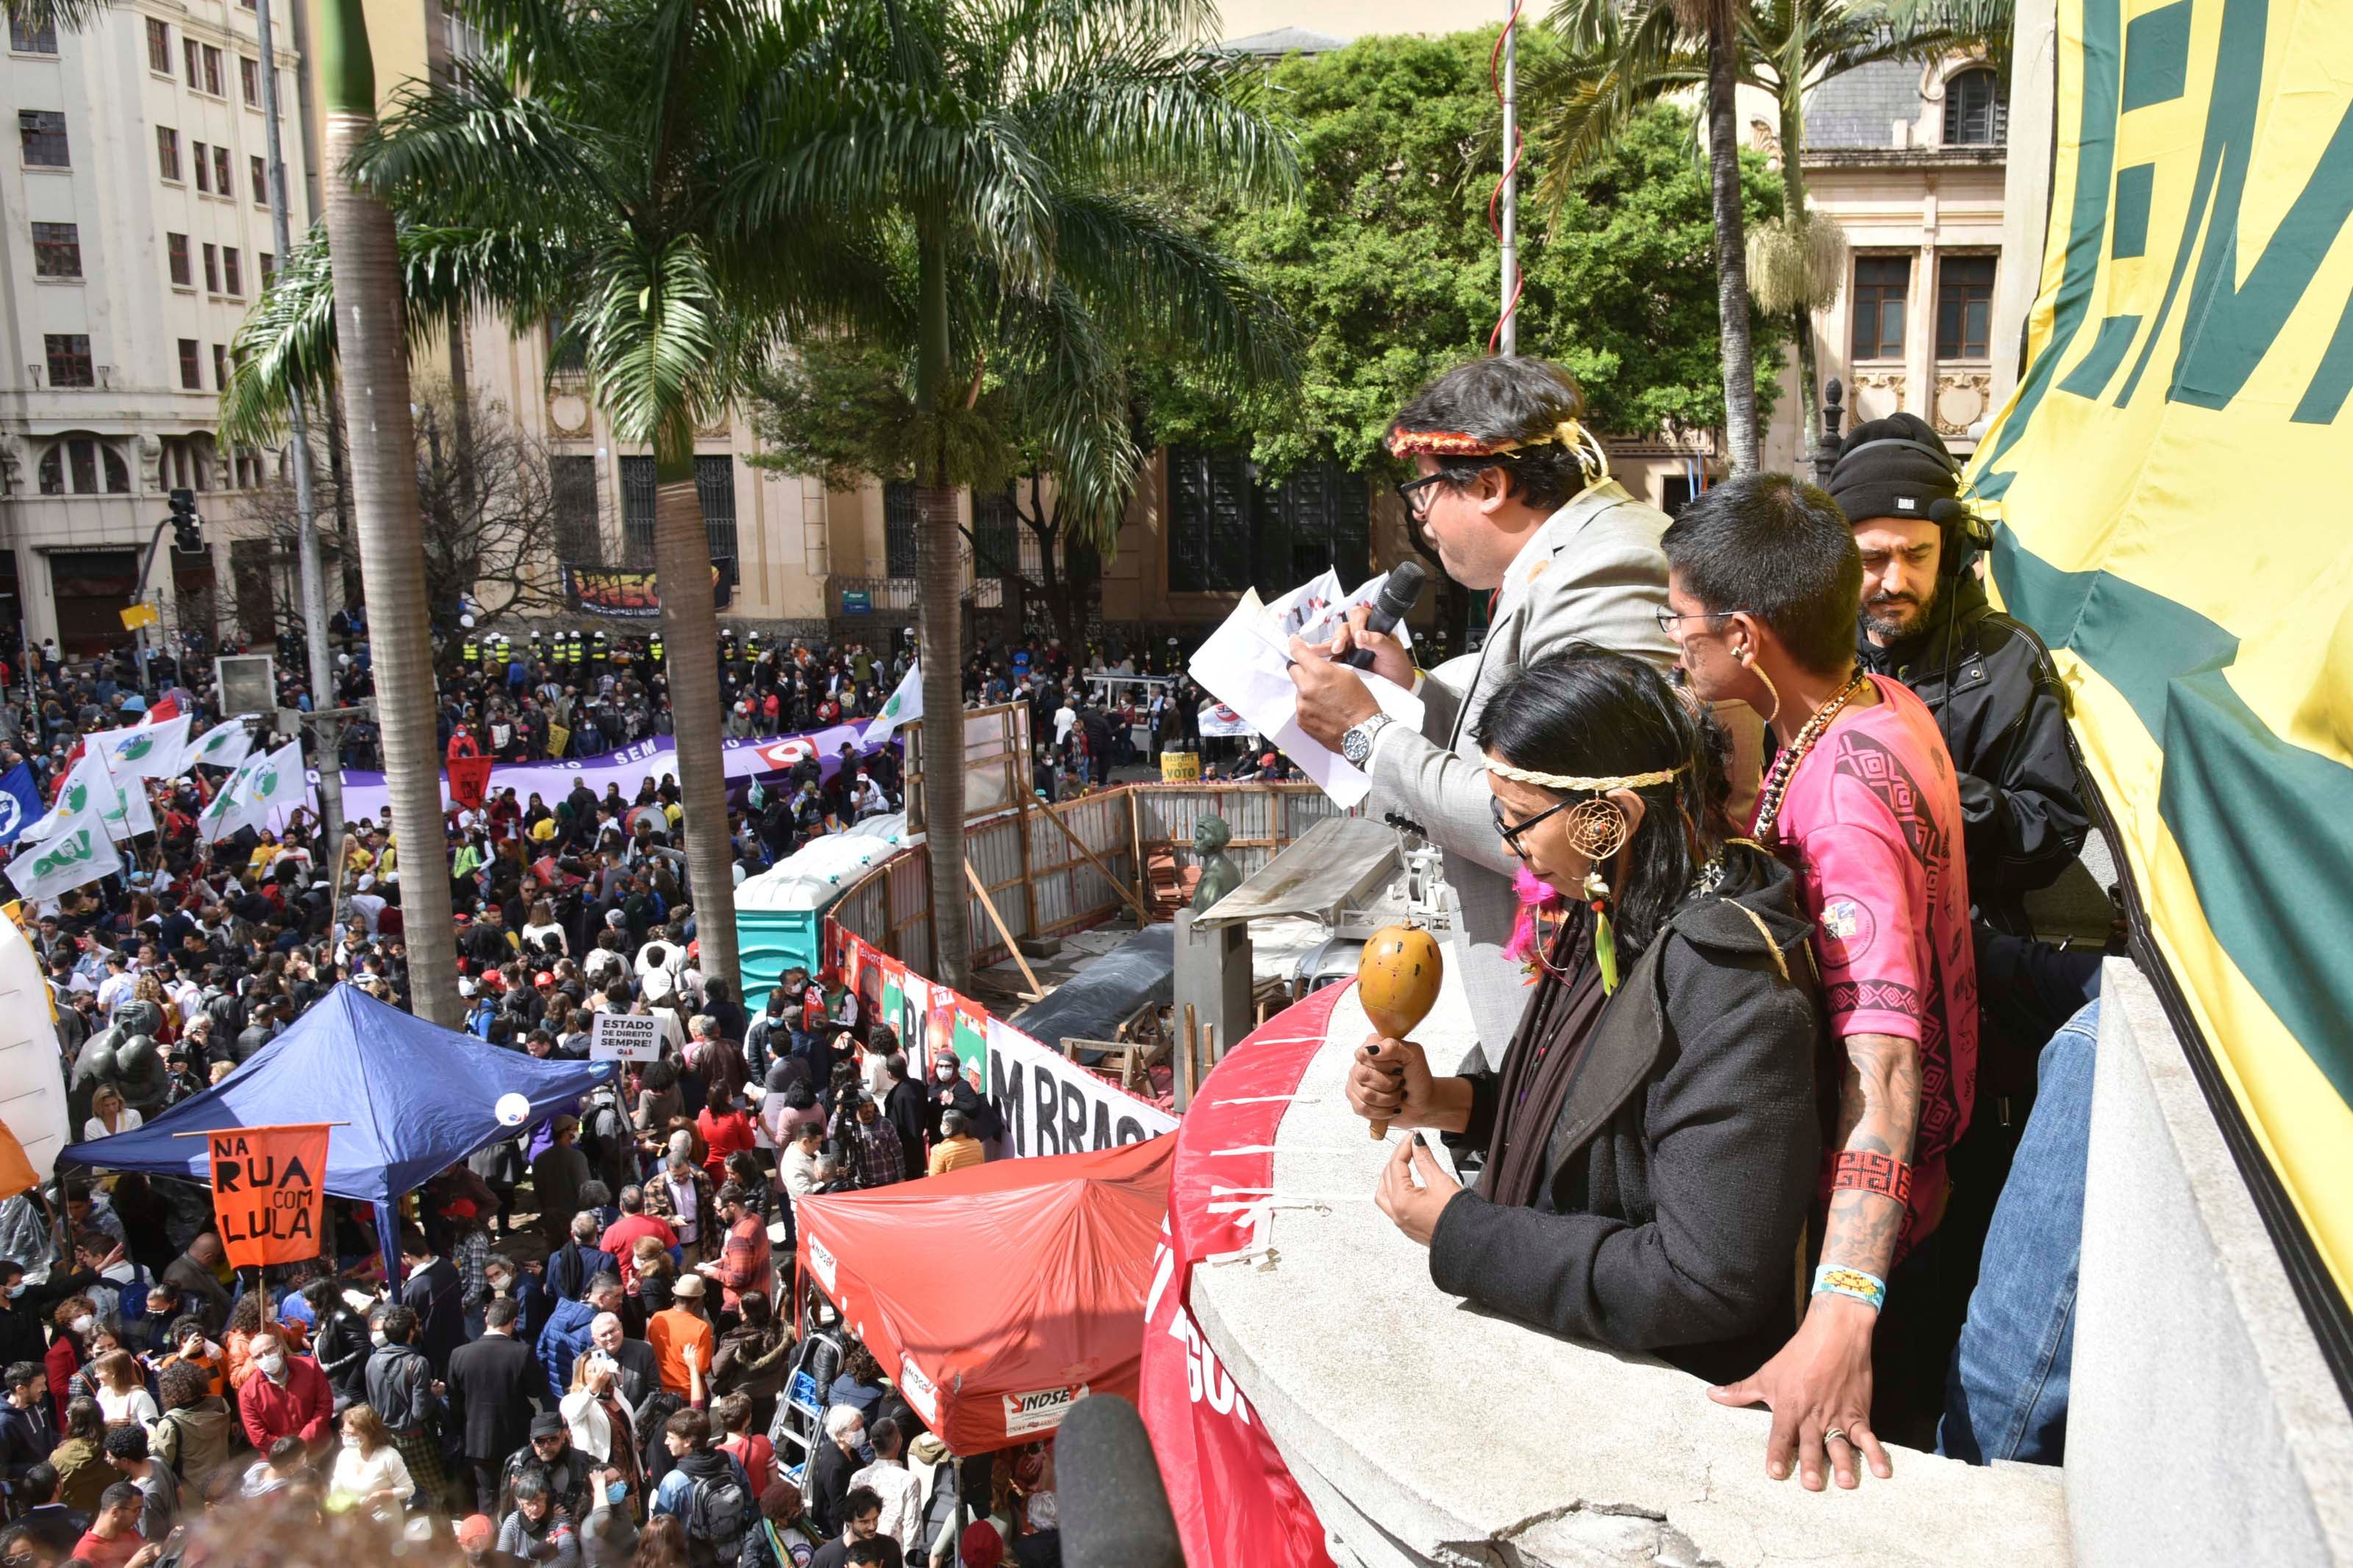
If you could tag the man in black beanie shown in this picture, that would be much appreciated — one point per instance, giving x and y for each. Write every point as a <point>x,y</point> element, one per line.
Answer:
<point>1926,622</point>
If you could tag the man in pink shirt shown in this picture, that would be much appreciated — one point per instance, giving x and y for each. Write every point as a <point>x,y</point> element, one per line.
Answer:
<point>1763,582</point>
<point>620,1237</point>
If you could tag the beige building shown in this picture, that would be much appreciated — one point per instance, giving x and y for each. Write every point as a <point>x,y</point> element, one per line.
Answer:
<point>138,228</point>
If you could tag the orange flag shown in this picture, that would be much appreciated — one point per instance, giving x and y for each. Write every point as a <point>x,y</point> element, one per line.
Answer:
<point>269,1192</point>
<point>16,1172</point>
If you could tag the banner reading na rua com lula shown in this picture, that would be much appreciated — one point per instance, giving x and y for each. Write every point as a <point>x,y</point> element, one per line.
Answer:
<point>2170,479</point>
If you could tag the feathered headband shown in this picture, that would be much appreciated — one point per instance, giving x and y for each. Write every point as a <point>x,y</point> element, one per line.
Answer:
<point>1443,444</point>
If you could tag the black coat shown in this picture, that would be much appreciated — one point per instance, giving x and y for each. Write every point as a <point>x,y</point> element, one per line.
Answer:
<point>437,1296</point>
<point>903,1107</point>
<point>492,1383</point>
<point>828,1482</point>
<point>1682,1161</point>
<point>2004,717</point>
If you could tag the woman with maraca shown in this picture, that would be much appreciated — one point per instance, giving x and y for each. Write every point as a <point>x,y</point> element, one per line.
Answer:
<point>1649,1135</point>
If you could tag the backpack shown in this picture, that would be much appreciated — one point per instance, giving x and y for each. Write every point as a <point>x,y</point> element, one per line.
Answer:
<point>717,1511</point>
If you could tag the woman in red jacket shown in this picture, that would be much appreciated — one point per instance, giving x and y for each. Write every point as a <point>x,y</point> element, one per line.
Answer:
<point>75,1317</point>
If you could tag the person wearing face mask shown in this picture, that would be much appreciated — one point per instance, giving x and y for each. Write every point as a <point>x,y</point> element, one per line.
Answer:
<point>369,1473</point>
<point>1650,1131</point>
<point>956,1147</point>
<point>68,1351</point>
<point>285,1396</point>
<point>338,1340</point>
<point>948,1090</point>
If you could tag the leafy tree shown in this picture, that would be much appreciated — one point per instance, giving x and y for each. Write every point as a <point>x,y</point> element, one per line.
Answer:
<point>1622,60</point>
<point>1387,267</point>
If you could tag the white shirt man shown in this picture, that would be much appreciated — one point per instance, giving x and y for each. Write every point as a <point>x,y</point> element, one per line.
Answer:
<point>901,1495</point>
<point>367,905</point>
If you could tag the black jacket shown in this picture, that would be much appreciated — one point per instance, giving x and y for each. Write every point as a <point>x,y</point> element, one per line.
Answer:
<point>1682,1161</point>
<point>492,1382</point>
<point>436,1295</point>
<point>2004,715</point>
<point>400,1388</point>
<point>828,1474</point>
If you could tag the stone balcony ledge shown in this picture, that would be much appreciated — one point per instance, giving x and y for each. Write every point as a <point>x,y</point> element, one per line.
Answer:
<point>1425,1431</point>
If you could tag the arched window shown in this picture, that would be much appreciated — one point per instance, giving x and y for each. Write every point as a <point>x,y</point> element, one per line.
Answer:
<point>188,463</point>
<point>1976,109</point>
<point>75,464</point>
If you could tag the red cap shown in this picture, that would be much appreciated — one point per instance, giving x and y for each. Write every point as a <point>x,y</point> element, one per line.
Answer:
<point>543,978</point>
<point>475,1531</point>
<point>980,1546</point>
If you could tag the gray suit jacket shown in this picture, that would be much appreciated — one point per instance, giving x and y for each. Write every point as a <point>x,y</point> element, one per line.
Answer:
<point>1593,574</point>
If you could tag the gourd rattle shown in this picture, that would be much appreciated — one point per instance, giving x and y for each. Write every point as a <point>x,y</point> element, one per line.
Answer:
<point>1397,980</point>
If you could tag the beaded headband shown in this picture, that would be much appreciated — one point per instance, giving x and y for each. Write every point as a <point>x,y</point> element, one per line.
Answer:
<point>1571,781</point>
<point>1456,444</point>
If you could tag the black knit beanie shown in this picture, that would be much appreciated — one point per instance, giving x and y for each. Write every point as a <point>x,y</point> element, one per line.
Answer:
<point>1876,477</point>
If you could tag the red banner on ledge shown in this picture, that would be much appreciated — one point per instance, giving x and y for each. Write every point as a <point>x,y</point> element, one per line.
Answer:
<point>1236,1504</point>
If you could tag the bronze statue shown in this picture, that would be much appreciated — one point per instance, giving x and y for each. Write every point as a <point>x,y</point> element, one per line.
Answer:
<point>1219,875</point>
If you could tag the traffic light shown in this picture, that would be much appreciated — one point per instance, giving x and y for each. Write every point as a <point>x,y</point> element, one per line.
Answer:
<point>187,537</point>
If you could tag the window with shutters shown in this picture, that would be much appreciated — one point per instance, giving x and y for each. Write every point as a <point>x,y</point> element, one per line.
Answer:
<point>167,153</point>
<point>995,535</point>
<point>195,54</point>
<point>57,250</point>
<point>27,37</point>
<point>715,486</point>
<point>221,181</point>
<point>204,165</point>
<point>269,268</point>
<point>212,269</point>
<point>1964,306</point>
<point>259,172</point>
<point>248,77</point>
<point>1883,284</point>
<point>213,72</point>
<point>220,368</point>
<point>232,272</point>
<point>901,528</point>
<point>637,511</point>
<point>69,362</point>
<point>1977,110</point>
<point>1211,496</point>
<point>175,250</point>
<point>43,134</point>
<point>159,46</point>
<point>572,482</point>
<point>191,367</point>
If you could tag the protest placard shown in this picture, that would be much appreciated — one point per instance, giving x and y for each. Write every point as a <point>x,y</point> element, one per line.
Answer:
<point>625,1038</point>
<point>269,1192</point>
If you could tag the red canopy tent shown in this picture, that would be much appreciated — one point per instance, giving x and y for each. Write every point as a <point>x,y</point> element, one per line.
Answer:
<point>999,1295</point>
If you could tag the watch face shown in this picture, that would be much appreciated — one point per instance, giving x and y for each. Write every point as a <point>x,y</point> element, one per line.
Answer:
<point>1356,745</point>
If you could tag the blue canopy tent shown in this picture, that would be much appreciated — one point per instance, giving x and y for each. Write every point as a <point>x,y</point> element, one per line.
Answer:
<point>416,1098</point>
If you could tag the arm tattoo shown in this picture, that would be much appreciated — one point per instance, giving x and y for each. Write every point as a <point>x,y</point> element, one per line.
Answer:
<point>1879,1111</point>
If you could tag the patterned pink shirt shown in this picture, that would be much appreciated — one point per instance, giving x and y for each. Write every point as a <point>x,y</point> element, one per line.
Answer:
<point>1873,822</point>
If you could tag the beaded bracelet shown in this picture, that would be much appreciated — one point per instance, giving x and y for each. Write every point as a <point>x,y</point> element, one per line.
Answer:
<point>1831,1279</point>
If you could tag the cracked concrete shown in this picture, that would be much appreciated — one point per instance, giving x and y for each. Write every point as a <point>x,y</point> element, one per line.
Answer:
<point>1428,1434</point>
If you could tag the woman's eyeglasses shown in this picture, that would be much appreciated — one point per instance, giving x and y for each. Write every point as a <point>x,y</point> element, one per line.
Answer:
<point>1511,831</point>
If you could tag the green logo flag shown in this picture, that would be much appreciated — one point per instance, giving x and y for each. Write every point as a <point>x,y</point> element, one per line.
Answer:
<point>145,750</point>
<point>225,745</point>
<point>78,853</point>
<point>906,705</point>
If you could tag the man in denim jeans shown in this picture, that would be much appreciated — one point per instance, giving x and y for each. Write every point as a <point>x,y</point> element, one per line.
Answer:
<point>2005,1394</point>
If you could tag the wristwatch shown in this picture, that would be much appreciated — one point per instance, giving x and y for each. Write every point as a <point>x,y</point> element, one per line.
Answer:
<point>1356,743</point>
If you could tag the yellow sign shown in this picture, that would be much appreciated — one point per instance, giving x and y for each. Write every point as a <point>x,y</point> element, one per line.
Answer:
<point>1179,767</point>
<point>138,616</point>
<point>2164,478</point>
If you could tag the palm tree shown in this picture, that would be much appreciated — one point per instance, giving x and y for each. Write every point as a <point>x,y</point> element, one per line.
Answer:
<point>573,171</point>
<point>1001,139</point>
<point>64,15</point>
<point>1623,58</point>
<point>384,491</point>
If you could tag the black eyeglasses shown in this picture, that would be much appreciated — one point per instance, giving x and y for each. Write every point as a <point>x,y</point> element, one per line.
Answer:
<point>1510,832</point>
<point>1416,505</point>
<point>1668,620</point>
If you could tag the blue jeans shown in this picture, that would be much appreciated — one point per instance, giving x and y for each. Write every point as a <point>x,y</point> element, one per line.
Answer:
<point>2006,1390</point>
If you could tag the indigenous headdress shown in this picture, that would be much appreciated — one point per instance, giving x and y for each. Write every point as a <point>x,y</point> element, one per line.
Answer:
<point>1442,444</point>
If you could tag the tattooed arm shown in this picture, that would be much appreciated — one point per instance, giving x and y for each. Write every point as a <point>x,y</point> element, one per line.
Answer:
<point>1820,1381</point>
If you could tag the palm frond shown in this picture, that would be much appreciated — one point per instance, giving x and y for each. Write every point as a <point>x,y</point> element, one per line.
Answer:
<point>36,16</point>
<point>474,151</point>
<point>1168,121</point>
<point>1619,63</point>
<point>1163,290</point>
<point>655,336</point>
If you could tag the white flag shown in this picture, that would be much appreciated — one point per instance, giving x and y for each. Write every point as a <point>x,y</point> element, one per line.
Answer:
<point>227,811</point>
<point>88,787</point>
<point>279,782</point>
<point>906,706</point>
<point>78,853</point>
<point>225,745</point>
<point>145,751</point>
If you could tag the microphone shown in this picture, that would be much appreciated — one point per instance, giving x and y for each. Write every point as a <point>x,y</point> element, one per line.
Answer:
<point>1114,1513</point>
<point>1392,604</point>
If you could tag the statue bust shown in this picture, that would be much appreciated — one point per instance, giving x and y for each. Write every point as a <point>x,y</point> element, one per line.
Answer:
<point>1219,875</point>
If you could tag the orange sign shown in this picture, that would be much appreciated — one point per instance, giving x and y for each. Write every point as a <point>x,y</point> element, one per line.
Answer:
<point>269,1192</point>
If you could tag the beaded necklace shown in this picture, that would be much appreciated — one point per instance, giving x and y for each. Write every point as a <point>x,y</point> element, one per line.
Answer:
<point>1785,766</point>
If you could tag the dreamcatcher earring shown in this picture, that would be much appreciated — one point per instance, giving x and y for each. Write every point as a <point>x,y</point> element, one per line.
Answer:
<point>1598,829</point>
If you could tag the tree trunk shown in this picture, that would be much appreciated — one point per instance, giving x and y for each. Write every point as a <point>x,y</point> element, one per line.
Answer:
<point>1793,213</point>
<point>384,504</point>
<point>1731,246</point>
<point>941,635</point>
<point>691,646</point>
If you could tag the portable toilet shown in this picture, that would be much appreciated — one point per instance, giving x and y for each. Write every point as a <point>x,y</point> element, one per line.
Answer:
<point>780,913</point>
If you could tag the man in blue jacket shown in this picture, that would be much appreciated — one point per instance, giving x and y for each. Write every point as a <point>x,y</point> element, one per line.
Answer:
<point>567,1331</point>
